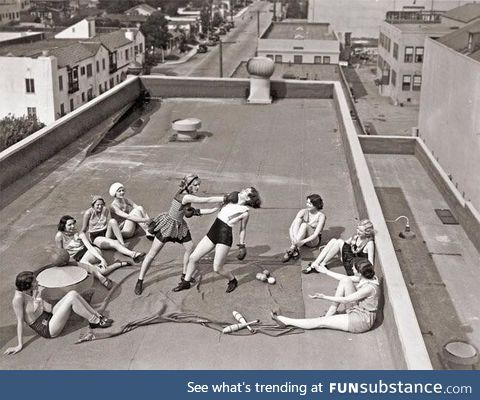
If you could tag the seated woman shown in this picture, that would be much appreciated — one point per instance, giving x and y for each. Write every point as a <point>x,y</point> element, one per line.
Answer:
<point>360,294</point>
<point>360,245</point>
<point>81,250</point>
<point>99,227</point>
<point>306,228</point>
<point>128,214</point>
<point>220,236</point>
<point>44,319</point>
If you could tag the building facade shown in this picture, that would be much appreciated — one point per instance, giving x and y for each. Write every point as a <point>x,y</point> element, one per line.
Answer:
<point>299,43</point>
<point>449,119</point>
<point>10,10</point>
<point>401,50</point>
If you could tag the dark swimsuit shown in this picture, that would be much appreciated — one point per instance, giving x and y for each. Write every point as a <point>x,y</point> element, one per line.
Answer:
<point>221,233</point>
<point>41,325</point>
<point>349,253</point>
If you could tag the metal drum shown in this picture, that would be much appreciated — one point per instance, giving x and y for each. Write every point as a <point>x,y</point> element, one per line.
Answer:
<point>58,281</point>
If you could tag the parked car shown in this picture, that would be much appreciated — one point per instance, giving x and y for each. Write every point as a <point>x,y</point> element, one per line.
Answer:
<point>222,31</point>
<point>212,43</point>
<point>202,48</point>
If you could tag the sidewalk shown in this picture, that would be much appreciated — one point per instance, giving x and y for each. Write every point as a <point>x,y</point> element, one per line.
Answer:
<point>377,113</point>
<point>182,59</point>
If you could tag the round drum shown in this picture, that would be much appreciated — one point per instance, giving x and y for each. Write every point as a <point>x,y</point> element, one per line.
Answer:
<point>58,281</point>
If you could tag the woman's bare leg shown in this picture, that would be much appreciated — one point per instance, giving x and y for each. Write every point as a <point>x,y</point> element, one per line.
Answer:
<point>345,287</point>
<point>221,252</point>
<point>110,244</point>
<point>204,247</point>
<point>339,322</point>
<point>114,232</point>
<point>332,248</point>
<point>188,251</point>
<point>157,245</point>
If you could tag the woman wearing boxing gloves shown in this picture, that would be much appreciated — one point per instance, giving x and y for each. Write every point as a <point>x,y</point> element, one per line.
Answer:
<point>172,227</point>
<point>220,236</point>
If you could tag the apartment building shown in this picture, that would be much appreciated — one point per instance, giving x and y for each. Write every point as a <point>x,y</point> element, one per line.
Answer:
<point>10,10</point>
<point>51,78</point>
<point>401,49</point>
<point>300,43</point>
<point>449,118</point>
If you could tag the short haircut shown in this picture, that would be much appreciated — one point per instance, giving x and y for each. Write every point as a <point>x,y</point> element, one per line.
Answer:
<point>316,201</point>
<point>24,280</point>
<point>63,222</point>
<point>367,226</point>
<point>364,267</point>
<point>254,199</point>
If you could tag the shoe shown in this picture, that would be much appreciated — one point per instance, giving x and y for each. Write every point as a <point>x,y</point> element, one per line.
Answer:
<point>274,316</point>
<point>296,253</point>
<point>192,280</point>
<point>287,256</point>
<point>139,287</point>
<point>150,236</point>
<point>232,285</point>
<point>183,285</point>
<point>102,323</point>
<point>138,257</point>
<point>309,270</point>
<point>107,320</point>
<point>108,283</point>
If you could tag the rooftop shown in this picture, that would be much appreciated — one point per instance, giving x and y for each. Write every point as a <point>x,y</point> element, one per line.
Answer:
<point>458,40</point>
<point>423,28</point>
<point>299,30</point>
<point>466,13</point>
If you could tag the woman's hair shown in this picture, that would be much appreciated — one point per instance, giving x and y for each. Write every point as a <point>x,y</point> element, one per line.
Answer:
<point>63,222</point>
<point>187,181</point>
<point>254,199</point>
<point>367,227</point>
<point>95,198</point>
<point>24,280</point>
<point>316,201</point>
<point>365,268</point>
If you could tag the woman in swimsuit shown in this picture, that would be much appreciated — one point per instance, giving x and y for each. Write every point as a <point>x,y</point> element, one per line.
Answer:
<point>44,319</point>
<point>360,245</point>
<point>359,293</point>
<point>306,228</point>
<point>172,227</point>
<point>128,214</point>
<point>220,236</point>
<point>99,227</point>
<point>81,250</point>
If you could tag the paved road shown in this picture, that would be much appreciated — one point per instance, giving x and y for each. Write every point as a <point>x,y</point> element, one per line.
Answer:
<point>245,37</point>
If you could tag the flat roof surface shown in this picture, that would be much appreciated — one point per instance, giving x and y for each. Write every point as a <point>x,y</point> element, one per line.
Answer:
<point>287,150</point>
<point>429,28</point>
<point>299,30</point>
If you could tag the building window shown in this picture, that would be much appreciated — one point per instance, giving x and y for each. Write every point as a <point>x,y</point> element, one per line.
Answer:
<point>270,56</point>
<point>278,58</point>
<point>83,97</point>
<point>73,85</point>
<point>98,66</point>
<point>82,71</point>
<point>89,94</point>
<point>136,49</point>
<point>417,82</point>
<point>112,83</point>
<point>100,89</point>
<point>408,54</point>
<point>32,112</point>
<point>118,79</point>
<point>126,54</point>
<point>71,105</point>
<point>418,54</point>
<point>317,59</point>
<point>140,47</point>
<point>103,64</point>
<point>30,85</point>
<point>60,83</point>
<point>297,59</point>
<point>89,70</point>
<point>62,110</point>
<point>394,78</point>
<point>406,81</point>
<point>326,59</point>
<point>395,51</point>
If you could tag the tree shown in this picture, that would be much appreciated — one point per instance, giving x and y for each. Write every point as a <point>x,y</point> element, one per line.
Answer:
<point>205,16</point>
<point>155,30</point>
<point>13,129</point>
<point>117,6</point>
<point>217,19</point>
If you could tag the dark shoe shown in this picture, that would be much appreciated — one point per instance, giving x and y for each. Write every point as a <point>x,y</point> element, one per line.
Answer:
<point>287,256</point>
<point>192,280</point>
<point>309,270</point>
<point>108,283</point>
<point>274,316</point>
<point>138,258</point>
<point>139,287</point>
<point>296,254</point>
<point>150,237</point>
<point>232,285</point>
<point>102,323</point>
<point>107,320</point>
<point>183,285</point>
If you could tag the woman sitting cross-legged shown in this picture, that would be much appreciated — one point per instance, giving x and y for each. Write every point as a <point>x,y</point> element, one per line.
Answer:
<point>359,293</point>
<point>360,245</point>
<point>306,228</point>
<point>44,319</point>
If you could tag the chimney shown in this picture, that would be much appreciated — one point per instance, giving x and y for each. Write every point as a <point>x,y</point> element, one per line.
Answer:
<point>45,53</point>
<point>473,40</point>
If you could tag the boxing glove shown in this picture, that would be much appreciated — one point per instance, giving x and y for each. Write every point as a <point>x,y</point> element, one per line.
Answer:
<point>231,197</point>
<point>190,212</point>
<point>242,251</point>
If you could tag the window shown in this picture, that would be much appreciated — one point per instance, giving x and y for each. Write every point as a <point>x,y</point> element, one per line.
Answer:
<point>297,59</point>
<point>100,89</point>
<point>112,83</point>
<point>82,71</point>
<point>73,85</point>
<point>103,64</point>
<point>118,79</point>
<point>270,56</point>
<point>278,58</point>
<point>32,112</point>
<point>317,59</point>
<point>406,81</point>
<point>394,78</point>
<point>83,97</point>
<point>326,59</point>
<point>417,82</point>
<point>60,83</point>
<point>140,47</point>
<point>62,110</point>
<point>418,54</point>
<point>98,66</point>
<point>136,50</point>
<point>89,70</point>
<point>408,54</point>
<point>126,54</point>
<point>395,51</point>
<point>89,94</point>
<point>71,105</point>
<point>30,85</point>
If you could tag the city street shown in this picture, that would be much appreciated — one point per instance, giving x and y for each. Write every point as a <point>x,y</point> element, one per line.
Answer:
<point>245,37</point>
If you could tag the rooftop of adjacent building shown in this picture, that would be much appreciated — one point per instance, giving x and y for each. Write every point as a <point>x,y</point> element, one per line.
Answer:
<point>465,40</point>
<point>299,30</point>
<point>465,13</point>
